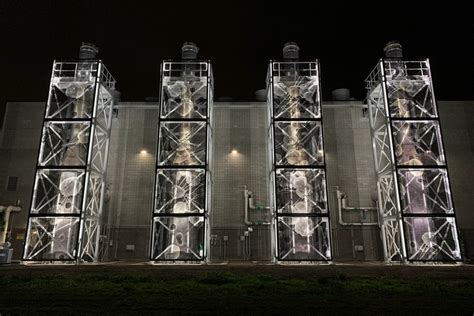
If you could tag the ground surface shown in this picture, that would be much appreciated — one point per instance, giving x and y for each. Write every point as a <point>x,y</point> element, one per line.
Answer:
<point>237,289</point>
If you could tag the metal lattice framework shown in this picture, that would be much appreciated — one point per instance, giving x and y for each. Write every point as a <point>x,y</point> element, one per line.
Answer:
<point>68,194</point>
<point>301,226</point>
<point>415,203</point>
<point>182,184</point>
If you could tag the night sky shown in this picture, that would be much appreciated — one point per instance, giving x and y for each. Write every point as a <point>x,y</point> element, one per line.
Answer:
<point>238,36</point>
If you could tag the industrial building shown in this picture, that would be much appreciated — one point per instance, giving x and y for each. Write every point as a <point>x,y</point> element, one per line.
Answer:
<point>287,178</point>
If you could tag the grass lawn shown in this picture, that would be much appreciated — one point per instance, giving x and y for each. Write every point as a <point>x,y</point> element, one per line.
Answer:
<point>237,289</point>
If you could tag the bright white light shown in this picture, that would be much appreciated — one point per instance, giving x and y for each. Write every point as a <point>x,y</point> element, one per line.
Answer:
<point>234,152</point>
<point>143,152</point>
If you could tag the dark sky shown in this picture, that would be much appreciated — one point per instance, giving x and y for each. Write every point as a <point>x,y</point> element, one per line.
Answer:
<point>238,36</point>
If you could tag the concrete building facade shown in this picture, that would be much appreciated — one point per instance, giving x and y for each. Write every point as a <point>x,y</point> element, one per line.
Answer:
<point>240,159</point>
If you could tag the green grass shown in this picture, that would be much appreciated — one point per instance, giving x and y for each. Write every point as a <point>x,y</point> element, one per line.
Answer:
<point>233,291</point>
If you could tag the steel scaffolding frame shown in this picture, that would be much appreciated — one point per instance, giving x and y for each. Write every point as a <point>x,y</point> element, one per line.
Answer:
<point>415,204</point>
<point>68,195</point>
<point>181,203</point>
<point>298,193</point>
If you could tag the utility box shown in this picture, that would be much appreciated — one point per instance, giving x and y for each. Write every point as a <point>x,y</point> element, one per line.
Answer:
<point>6,255</point>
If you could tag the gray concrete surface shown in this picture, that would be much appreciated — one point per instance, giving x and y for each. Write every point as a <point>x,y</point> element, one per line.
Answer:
<point>127,213</point>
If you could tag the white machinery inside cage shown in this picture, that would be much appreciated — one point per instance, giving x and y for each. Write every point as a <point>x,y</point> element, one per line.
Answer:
<point>301,227</point>
<point>415,203</point>
<point>66,206</point>
<point>182,187</point>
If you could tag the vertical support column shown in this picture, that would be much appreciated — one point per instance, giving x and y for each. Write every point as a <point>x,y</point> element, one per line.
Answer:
<point>415,202</point>
<point>68,194</point>
<point>301,226</point>
<point>181,200</point>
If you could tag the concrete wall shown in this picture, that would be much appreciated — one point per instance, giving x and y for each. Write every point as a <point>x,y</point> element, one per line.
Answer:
<point>239,127</point>
<point>131,174</point>
<point>457,124</point>
<point>350,166</point>
<point>19,144</point>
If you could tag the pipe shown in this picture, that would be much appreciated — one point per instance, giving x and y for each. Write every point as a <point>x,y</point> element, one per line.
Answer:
<point>342,205</point>
<point>224,240</point>
<point>6,219</point>
<point>243,105</point>
<point>249,204</point>
<point>249,254</point>
<point>246,207</point>
<point>252,205</point>
<point>245,241</point>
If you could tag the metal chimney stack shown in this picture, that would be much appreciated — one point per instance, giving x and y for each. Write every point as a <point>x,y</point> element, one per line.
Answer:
<point>393,49</point>
<point>291,51</point>
<point>189,51</point>
<point>88,51</point>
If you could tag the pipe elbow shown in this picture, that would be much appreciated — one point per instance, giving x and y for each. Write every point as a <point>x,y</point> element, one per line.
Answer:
<point>12,208</point>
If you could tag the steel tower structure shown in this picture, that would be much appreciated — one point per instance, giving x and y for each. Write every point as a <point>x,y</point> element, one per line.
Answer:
<point>182,183</point>
<point>300,226</point>
<point>415,204</point>
<point>66,205</point>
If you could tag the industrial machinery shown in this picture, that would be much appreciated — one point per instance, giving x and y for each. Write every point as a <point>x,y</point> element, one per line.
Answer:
<point>181,200</point>
<point>301,227</point>
<point>363,211</point>
<point>7,215</point>
<point>6,251</point>
<point>415,204</point>
<point>68,193</point>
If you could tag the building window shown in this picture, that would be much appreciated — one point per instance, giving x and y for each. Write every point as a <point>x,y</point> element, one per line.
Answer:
<point>12,183</point>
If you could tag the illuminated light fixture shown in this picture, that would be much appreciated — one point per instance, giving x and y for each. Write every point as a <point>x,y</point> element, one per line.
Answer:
<point>143,152</point>
<point>234,152</point>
